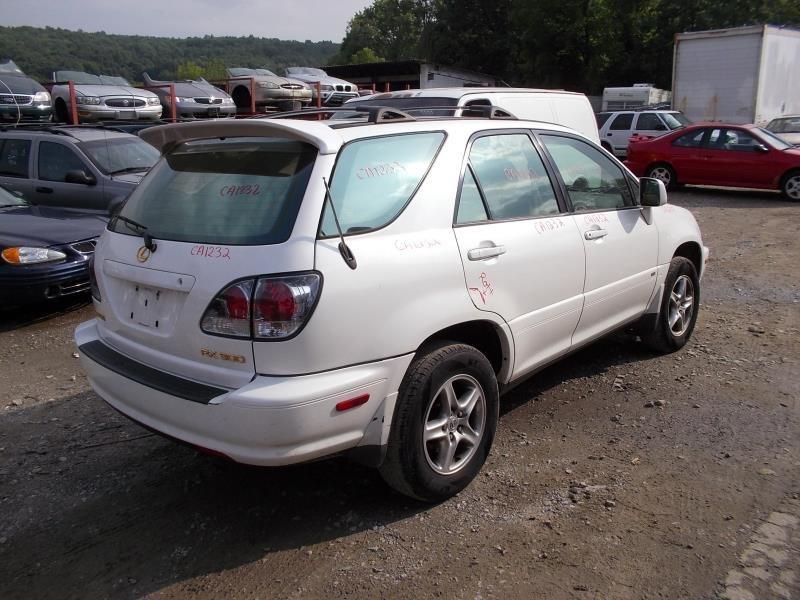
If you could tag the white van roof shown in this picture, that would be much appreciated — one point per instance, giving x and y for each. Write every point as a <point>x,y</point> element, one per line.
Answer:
<point>449,92</point>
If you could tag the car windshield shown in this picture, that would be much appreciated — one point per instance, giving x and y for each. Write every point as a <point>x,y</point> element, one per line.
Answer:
<point>112,80</point>
<point>120,154</point>
<point>237,72</point>
<point>786,125</point>
<point>231,191</point>
<point>9,199</point>
<point>306,71</point>
<point>8,66</point>
<point>78,77</point>
<point>773,139</point>
<point>675,120</point>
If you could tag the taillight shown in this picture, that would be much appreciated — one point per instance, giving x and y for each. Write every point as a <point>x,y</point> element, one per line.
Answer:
<point>268,308</point>
<point>229,313</point>
<point>93,280</point>
<point>281,305</point>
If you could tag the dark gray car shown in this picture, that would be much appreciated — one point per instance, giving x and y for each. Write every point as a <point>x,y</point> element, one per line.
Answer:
<point>81,168</point>
<point>195,98</point>
<point>22,98</point>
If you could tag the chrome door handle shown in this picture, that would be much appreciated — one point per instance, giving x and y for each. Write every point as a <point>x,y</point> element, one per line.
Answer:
<point>482,253</point>
<point>594,234</point>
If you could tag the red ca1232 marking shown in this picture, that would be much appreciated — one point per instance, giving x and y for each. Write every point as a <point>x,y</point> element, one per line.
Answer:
<point>211,251</point>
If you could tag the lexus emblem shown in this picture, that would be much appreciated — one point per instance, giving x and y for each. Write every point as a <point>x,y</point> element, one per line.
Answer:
<point>143,254</point>
<point>125,103</point>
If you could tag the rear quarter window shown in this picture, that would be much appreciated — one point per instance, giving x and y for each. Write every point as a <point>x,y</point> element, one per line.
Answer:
<point>236,191</point>
<point>375,178</point>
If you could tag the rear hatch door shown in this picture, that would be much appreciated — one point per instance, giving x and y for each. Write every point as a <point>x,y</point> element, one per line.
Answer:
<point>212,213</point>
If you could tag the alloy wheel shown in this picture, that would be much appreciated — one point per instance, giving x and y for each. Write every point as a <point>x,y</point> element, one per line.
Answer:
<point>681,305</point>
<point>455,421</point>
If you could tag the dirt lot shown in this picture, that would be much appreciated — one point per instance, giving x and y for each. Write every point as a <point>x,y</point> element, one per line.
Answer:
<point>615,474</point>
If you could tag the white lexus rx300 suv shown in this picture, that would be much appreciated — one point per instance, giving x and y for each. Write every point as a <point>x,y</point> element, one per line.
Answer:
<point>276,291</point>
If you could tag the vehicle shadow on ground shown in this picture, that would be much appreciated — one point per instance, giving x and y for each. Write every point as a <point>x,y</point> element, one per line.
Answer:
<point>109,509</point>
<point>16,317</point>
<point>704,197</point>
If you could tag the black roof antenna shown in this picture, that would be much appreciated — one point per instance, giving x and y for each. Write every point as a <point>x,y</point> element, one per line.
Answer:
<point>344,250</point>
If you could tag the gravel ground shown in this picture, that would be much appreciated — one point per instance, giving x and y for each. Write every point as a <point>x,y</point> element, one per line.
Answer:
<point>615,473</point>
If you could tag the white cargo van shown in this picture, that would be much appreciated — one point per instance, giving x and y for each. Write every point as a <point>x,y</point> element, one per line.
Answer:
<point>569,109</point>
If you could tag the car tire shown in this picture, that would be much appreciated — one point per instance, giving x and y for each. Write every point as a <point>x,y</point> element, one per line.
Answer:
<point>679,308</point>
<point>61,114</point>
<point>664,173</point>
<point>444,422</point>
<point>241,97</point>
<point>790,185</point>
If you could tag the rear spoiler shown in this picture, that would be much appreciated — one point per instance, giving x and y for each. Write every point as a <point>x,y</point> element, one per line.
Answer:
<point>320,135</point>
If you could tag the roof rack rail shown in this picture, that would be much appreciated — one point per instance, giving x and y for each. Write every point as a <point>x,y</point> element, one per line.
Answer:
<point>380,114</point>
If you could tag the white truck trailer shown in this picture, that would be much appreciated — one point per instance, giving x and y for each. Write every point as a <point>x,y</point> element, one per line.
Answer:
<point>636,96</point>
<point>740,75</point>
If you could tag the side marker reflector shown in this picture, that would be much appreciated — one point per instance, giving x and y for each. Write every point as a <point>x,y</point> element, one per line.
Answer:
<point>352,403</point>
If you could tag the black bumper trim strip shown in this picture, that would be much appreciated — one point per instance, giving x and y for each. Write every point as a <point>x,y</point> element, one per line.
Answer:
<point>147,376</point>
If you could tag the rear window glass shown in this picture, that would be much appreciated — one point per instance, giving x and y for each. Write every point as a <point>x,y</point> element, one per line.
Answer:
<point>14,156</point>
<point>375,178</point>
<point>236,191</point>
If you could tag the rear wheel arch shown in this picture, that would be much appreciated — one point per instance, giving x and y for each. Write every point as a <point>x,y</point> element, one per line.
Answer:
<point>483,335</point>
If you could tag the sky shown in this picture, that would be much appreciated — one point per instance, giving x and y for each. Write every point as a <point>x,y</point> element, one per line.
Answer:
<point>302,20</point>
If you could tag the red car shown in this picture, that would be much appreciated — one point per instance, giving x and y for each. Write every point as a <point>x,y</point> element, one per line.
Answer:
<point>719,154</point>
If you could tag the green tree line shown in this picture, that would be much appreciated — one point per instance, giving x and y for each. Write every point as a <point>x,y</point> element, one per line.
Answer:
<point>582,45</point>
<point>40,51</point>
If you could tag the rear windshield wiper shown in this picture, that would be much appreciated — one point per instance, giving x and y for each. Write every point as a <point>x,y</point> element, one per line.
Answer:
<point>128,170</point>
<point>131,224</point>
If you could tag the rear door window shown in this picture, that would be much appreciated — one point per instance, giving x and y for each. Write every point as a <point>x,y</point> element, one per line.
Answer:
<point>693,139</point>
<point>649,122</point>
<point>375,178</point>
<point>512,177</point>
<point>233,191</point>
<point>14,156</point>
<point>56,160</point>
<point>622,122</point>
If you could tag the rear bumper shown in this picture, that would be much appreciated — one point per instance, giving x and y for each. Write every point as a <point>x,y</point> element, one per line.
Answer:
<point>269,421</point>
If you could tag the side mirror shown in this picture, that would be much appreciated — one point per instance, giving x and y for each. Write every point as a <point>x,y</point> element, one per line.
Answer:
<point>115,205</point>
<point>761,148</point>
<point>652,192</point>
<point>80,176</point>
<point>17,193</point>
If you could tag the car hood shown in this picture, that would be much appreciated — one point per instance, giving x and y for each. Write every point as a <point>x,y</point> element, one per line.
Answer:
<point>789,138</point>
<point>276,79</point>
<point>195,90</point>
<point>327,80</point>
<point>109,90</point>
<point>19,84</point>
<point>46,226</point>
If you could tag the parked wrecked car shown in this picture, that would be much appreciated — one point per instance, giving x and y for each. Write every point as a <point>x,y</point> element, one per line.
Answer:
<point>335,92</point>
<point>22,98</point>
<point>73,167</point>
<point>269,89</point>
<point>102,98</point>
<point>719,154</point>
<point>44,251</point>
<point>194,98</point>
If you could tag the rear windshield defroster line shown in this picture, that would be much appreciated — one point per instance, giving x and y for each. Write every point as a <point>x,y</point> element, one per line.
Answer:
<point>231,191</point>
